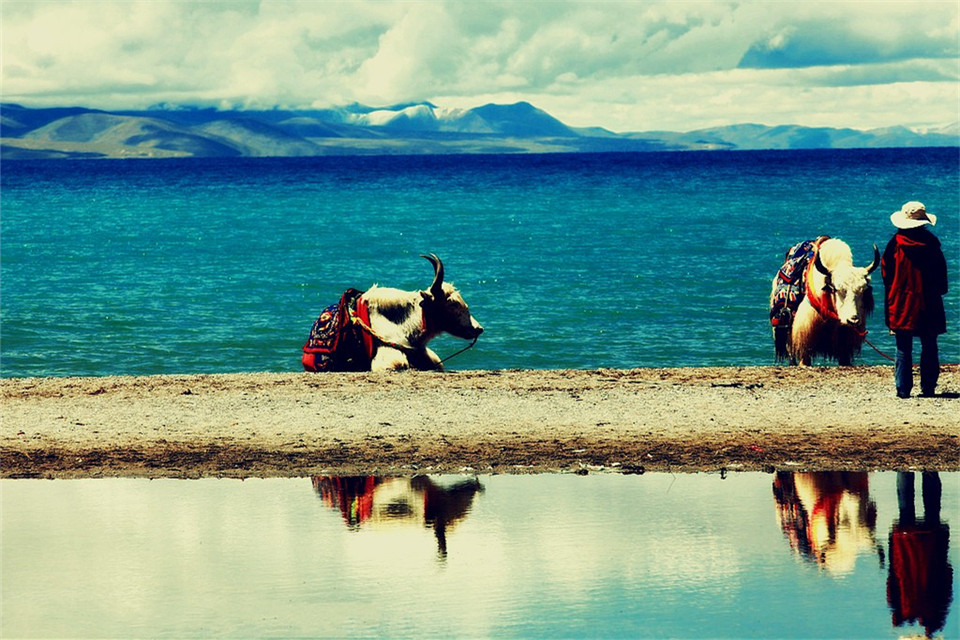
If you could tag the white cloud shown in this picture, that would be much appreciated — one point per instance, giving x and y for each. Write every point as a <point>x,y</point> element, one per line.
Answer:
<point>694,101</point>
<point>418,54</point>
<point>622,65</point>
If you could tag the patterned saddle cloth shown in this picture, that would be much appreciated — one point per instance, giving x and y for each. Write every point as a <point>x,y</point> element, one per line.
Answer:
<point>336,343</point>
<point>789,290</point>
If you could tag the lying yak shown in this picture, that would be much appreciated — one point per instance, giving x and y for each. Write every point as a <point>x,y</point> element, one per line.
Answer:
<point>382,328</point>
<point>820,302</point>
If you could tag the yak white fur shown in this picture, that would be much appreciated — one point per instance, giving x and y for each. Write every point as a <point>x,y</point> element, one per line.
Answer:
<point>396,316</point>
<point>814,335</point>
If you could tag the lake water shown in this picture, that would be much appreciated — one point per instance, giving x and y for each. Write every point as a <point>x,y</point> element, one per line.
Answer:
<point>750,555</point>
<point>569,261</point>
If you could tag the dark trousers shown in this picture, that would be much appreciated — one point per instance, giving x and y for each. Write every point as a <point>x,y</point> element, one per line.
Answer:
<point>929,362</point>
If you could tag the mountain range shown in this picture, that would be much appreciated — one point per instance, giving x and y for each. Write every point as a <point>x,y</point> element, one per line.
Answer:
<point>416,128</point>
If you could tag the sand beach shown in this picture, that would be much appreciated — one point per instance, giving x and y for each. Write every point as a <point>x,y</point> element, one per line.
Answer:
<point>483,422</point>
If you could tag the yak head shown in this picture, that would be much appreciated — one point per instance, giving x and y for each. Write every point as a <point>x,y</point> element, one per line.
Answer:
<point>444,307</point>
<point>846,285</point>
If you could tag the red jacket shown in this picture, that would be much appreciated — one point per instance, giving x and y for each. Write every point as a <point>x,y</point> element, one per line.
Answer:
<point>915,278</point>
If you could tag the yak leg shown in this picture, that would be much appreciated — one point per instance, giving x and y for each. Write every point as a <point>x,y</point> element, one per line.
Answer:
<point>389,359</point>
<point>425,360</point>
<point>842,345</point>
<point>802,355</point>
<point>845,357</point>
<point>435,360</point>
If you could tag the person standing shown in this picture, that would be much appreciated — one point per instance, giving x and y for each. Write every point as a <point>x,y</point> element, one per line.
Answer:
<point>915,280</point>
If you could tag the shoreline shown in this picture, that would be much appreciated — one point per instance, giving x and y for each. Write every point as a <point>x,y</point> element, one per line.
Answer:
<point>758,418</point>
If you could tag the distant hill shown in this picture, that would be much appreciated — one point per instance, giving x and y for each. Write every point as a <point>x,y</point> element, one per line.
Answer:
<point>414,128</point>
<point>106,131</point>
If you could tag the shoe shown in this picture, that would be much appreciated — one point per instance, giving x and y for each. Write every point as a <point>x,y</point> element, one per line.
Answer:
<point>927,394</point>
<point>903,394</point>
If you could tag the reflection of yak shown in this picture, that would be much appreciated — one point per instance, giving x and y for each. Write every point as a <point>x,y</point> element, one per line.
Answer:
<point>445,506</point>
<point>375,501</point>
<point>828,517</point>
<point>919,587</point>
<point>352,495</point>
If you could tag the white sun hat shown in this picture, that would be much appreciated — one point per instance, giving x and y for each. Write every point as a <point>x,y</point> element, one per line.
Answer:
<point>912,215</point>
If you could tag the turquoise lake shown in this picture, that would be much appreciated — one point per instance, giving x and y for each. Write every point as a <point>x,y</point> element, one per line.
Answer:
<point>569,261</point>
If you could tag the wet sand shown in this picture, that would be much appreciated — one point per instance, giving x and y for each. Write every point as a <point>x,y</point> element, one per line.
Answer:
<point>484,422</point>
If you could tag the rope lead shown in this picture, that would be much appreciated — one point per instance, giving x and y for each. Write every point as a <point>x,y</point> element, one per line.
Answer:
<point>461,350</point>
<point>915,366</point>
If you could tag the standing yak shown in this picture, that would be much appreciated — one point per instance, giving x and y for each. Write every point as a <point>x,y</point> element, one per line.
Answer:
<point>820,302</point>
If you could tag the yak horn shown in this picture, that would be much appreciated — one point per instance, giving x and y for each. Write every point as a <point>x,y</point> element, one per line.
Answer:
<point>876,259</point>
<point>436,289</point>
<point>819,265</point>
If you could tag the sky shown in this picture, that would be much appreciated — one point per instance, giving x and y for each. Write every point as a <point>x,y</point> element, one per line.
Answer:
<point>622,65</point>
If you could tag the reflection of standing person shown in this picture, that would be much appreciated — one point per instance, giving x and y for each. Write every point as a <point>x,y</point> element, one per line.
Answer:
<point>915,278</point>
<point>919,586</point>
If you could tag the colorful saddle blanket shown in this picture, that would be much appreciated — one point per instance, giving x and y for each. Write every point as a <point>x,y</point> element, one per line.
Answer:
<point>789,290</point>
<point>335,342</point>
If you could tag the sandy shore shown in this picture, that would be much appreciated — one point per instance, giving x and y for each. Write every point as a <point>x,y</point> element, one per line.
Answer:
<point>627,421</point>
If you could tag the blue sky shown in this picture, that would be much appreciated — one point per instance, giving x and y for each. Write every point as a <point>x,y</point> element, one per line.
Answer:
<point>626,66</point>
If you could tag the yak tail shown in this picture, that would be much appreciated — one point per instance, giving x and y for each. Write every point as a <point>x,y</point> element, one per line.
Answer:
<point>781,340</point>
<point>782,321</point>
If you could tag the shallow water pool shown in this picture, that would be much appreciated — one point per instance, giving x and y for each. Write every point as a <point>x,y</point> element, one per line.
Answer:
<point>787,555</point>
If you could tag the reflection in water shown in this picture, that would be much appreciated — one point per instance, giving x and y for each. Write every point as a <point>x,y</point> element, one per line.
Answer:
<point>828,517</point>
<point>919,587</point>
<point>540,555</point>
<point>376,501</point>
